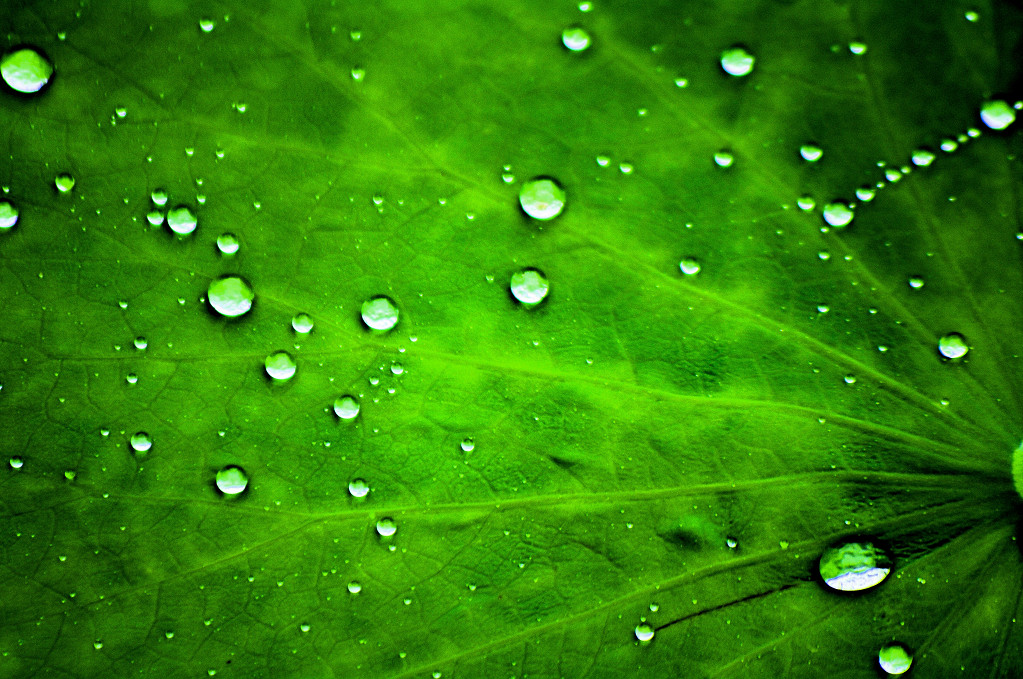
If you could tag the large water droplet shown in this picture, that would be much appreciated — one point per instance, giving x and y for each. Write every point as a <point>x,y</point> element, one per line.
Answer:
<point>997,114</point>
<point>380,313</point>
<point>916,282</point>
<point>811,152</point>
<point>854,566</point>
<point>723,159</point>
<point>737,61</point>
<point>228,244</point>
<point>689,266</point>
<point>280,365</point>
<point>16,462</point>
<point>181,220</point>
<point>26,70</point>
<point>644,632</point>
<point>8,215</point>
<point>922,157</point>
<point>953,345</point>
<point>837,214</point>
<point>575,38</point>
<point>529,286</point>
<point>358,488</point>
<point>468,445</point>
<point>232,480</point>
<point>354,587</point>
<point>159,197</point>
<point>302,323</point>
<point>542,198</point>
<point>346,407</point>
<point>386,527</point>
<point>230,296</point>
<point>64,182</point>
<point>895,659</point>
<point>141,442</point>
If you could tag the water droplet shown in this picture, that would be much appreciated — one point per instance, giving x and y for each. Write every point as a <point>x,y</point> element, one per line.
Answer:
<point>823,308</point>
<point>849,379</point>
<point>737,61</point>
<point>230,296</point>
<point>689,266</point>
<point>626,168</point>
<point>16,462</point>
<point>141,343</point>
<point>916,282</point>
<point>575,38</point>
<point>644,632</point>
<point>953,345</point>
<point>949,145</point>
<point>232,480</point>
<point>120,111</point>
<point>154,217</point>
<point>811,152</point>
<point>228,244</point>
<point>865,193</point>
<point>468,444</point>
<point>358,74</point>
<point>397,368</point>
<point>603,160</point>
<point>806,203</point>
<point>169,634</point>
<point>97,645</point>
<point>681,83</point>
<point>894,659</point>
<point>837,214</point>
<point>893,175</point>
<point>131,378</point>
<point>529,286</point>
<point>280,365</point>
<point>723,159</point>
<point>305,627</point>
<point>26,70</point>
<point>8,215</point>
<point>858,48</point>
<point>542,198</point>
<point>922,157</point>
<point>386,527</point>
<point>354,587</point>
<point>346,407</point>
<point>181,220</point>
<point>358,488</point>
<point>302,323</point>
<point>380,313</point>
<point>206,25</point>
<point>731,543</point>
<point>141,442</point>
<point>64,182</point>
<point>585,6</point>
<point>997,114</point>
<point>854,566</point>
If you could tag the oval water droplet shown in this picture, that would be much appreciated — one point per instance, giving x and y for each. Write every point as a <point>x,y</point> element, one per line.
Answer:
<point>354,587</point>
<point>380,313</point>
<point>280,366</point>
<point>232,480</point>
<point>181,220</point>
<point>916,282</point>
<point>159,197</point>
<point>154,217</point>
<point>230,296</point>
<point>723,159</point>
<point>529,286</point>
<point>858,48</point>
<point>837,214</point>
<point>26,70</point>
<point>854,566</point>
<point>386,527</point>
<point>922,157</point>
<point>811,152</point>
<point>953,346</point>
<point>141,442</point>
<point>8,215</point>
<point>542,198</point>
<point>865,193</point>
<point>16,462</point>
<point>806,203</point>
<point>346,407</point>
<point>207,25</point>
<point>141,343</point>
<point>302,323</point>
<point>358,488</point>
<point>895,659</point>
<point>228,244</point>
<point>575,38</point>
<point>468,444</point>
<point>689,266</point>
<point>997,114</point>
<point>64,182</point>
<point>644,632</point>
<point>737,61</point>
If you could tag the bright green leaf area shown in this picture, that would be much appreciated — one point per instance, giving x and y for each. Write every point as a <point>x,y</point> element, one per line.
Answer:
<point>643,439</point>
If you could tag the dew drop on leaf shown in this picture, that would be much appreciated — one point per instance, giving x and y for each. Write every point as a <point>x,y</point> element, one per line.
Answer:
<point>358,74</point>
<point>358,488</point>
<point>305,627</point>
<point>397,368</point>
<point>806,203</point>
<point>227,244</point>
<point>181,220</point>
<point>894,659</point>
<point>280,365</point>
<point>542,198</point>
<point>603,160</point>
<point>141,442</point>
<point>865,194</point>
<point>8,215</point>
<point>302,323</point>
<point>837,214</point>
<point>953,346</point>
<point>644,632</point>
<point>811,152</point>
<point>529,286</point>
<point>922,157</point>
<point>858,48</point>
<point>346,407</point>
<point>354,587</point>
<point>26,70</point>
<point>854,566</point>
<point>16,462</point>
<point>206,25</point>
<point>230,296</point>
<point>386,527</point>
<point>232,480</point>
<point>141,343</point>
<point>468,444</point>
<point>916,282</point>
<point>380,313</point>
<point>997,114</point>
<point>723,159</point>
<point>131,378</point>
<point>575,38</point>
<point>737,61</point>
<point>154,217</point>
<point>689,266</point>
<point>159,197</point>
<point>64,182</point>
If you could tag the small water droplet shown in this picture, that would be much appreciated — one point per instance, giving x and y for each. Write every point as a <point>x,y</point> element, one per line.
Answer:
<point>811,152</point>
<point>644,632</point>
<point>8,215</point>
<point>302,323</point>
<point>141,343</point>
<point>858,48</point>
<point>949,145</point>
<point>16,462</point>
<point>358,488</point>
<point>626,167</point>
<point>737,61</point>
<point>542,198</point>
<point>358,74</point>
<point>97,645</point>
<point>230,296</point>
<point>380,313</point>
<point>603,160</point>
<point>26,70</point>
<point>681,83</point>
<point>895,659</point>
<point>141,442</point>
<point>922,157</point>
<point>529,286</point>
<point>206,24</point>
<point>181,220</point>
<point>305,627</point>
<point>169,634</point>
<point>724,159</point>
<point>953,346</point>
<point>731,543</point>
<point>346,407</point>
<point>865,193</point>
<point>849,379</point>
<point>893,175</point>
<point>131,378</point>
<point>232,480</point>
<point>386,527</point>
<point>806,203</point>
<point>64,182</point>
<point>280,366</point>
<point>354,587</point>
<point>154,217</point>
<point>468,445</point>
<point>397,368</point>
<point>916,282</point>
<point>997,114</point>
<point>228,244</point>
<point>854,566</point>
<point>585,6</point>
<point>689,266</point>
<point>823,308</point>
<point>837,214</point>
<point>575,38</point>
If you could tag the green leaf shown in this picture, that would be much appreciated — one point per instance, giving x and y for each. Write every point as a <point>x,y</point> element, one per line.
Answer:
<point>647,446</point>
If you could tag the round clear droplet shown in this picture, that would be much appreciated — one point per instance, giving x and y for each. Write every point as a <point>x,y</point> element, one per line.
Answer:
<point>529,286</point>
<point>181,220</point>
<point>922,157</point>
<point>26,70</point>
<point>689,266</point>
<point>232,480</point>
<point>997,114</point>
<point>141,343</point>
<point>858,48</point>
<point>837,214</point>
<point>737,61</point>
<point>380,313</point>
<point>64,182</point>
<point>154,217</point>
<point>280,365</point>
<point>141,442</point>
<point>358,488</point>
<point>16,462</point>
<point>644,632</point>
<point>354,587</point>
<point>207,25</point>
<point>575,38</point>
<point>159,197</point>
<point>468,445</point>
<point>865,193</point>
<point>894,659</point>
<point>806,203</point>
<point>723,159</point>
<point>230,296</point>
<point>953,346</point>
<point>811,152</point>
<point>346,407</point>
<point>386,527</point>
<point>542,198</point>
<point>916,282</point>
<point>8,215</point>
<point>228,244</point>
<point>302,323</point>
<point>854,566</point>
